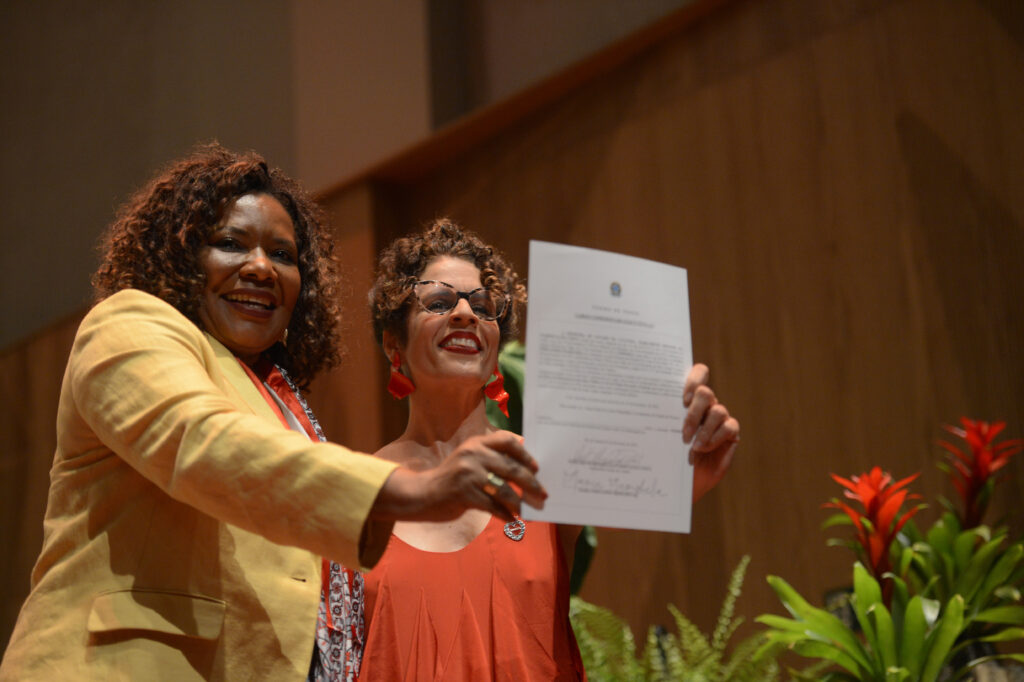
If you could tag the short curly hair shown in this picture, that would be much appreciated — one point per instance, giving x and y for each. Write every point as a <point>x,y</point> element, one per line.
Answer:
<point>402,263</point>
<point>154,243</point>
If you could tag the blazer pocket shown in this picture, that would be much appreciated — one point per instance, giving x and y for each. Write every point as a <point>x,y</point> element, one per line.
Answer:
<point>174,613</point>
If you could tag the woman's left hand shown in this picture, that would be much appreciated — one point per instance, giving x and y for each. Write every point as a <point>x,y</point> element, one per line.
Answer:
<point>714,433</point>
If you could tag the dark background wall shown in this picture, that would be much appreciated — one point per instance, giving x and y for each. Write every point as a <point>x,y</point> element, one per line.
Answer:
<point>97,95</point>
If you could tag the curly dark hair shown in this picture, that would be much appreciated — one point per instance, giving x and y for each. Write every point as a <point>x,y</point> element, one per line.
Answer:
<point>402,263</point>
<point>154,243</point>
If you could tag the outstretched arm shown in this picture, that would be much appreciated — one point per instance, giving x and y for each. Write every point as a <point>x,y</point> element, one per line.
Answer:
<point>461,481</point>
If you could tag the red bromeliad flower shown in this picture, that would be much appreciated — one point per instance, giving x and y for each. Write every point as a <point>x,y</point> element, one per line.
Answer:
<point>878,525</point>
<point>973,474</point>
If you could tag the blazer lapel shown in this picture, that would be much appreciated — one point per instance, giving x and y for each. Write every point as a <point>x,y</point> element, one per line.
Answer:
<point>245,393</point>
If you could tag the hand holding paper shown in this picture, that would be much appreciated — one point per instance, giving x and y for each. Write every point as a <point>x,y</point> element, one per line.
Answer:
<point>715,434</point>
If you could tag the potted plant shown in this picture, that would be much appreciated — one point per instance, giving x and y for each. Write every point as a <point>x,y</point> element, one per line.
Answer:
<point>610,654</point>
<point>959,554</point>
<point>919,599</point>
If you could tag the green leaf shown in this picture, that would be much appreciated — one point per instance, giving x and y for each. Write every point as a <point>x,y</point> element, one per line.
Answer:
<point>999,574</point>
<point>675,656</point>
<point>971,579</point>
<point>866,593</point>
<point>912,642</point>
<point>654,663</point>
<point>932,586</point>
<point>941,639</point>
<point>695,645</point>
<point>947,571</point>
<point>821,623</point>
<point>814,649</point>
<point>1007,592</point>
<point>777,640</point>
<point>837,520</point>
<point>932,608</point>
<point>1018,575</point>
<point>952,523</point>
<point>1007,615</point>
<point>605,641</point>
<point>963,548</point>
<point>940,538</point>
<point>782,623</point>
<point>849,544</point>
<point>909,534</point>
<point>886,635</point>
<point>962,672</point>
<point>896,674</point>
<point>900,597</point>
<point>906,556</point>
<point>724,627</point>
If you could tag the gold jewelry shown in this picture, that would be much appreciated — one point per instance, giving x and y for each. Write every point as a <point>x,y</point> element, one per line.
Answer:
<point>494,482</point>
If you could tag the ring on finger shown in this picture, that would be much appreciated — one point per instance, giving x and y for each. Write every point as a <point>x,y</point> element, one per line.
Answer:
<point>494,482</point>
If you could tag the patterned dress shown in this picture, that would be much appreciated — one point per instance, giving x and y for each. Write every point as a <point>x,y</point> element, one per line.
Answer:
<point>339,635</point>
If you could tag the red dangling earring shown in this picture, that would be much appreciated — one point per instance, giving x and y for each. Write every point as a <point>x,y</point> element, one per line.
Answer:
<point>496,391</point>
<point>399,385</point>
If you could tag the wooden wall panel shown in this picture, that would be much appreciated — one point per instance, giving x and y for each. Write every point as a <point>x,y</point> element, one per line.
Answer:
<point>843,184</point>
<point>346,400</point>
<point>30,379</point>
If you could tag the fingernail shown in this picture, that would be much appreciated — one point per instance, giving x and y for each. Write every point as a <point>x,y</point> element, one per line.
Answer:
<point>699,442</point>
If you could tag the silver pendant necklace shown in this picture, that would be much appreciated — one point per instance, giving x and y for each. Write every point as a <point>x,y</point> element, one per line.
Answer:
<point>515,530</point>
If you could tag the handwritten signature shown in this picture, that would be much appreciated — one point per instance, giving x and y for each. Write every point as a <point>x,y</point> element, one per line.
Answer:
<point>613,459</point>
<point>580,482</point>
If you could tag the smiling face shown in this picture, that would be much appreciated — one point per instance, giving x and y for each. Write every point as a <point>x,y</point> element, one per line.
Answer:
<point>455,345</point>
<point>252,276</point>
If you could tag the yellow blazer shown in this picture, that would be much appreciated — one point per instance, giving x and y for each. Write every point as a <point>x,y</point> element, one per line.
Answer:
<point>185,524</point>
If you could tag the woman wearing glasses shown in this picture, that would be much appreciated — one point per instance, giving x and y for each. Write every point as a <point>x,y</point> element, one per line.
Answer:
<point>475,598</point>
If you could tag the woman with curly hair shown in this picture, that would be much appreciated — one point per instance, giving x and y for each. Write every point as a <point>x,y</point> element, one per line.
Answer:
<point>476,597</point>
<point>191,496</point>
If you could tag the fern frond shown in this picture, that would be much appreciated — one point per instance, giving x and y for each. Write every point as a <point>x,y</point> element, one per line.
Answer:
<point>609,652</point>
<point>672,648</point>
<point>746,664</point>
<point>725,626</point>
<point>695,646</point>
<point>605,642</point>
<point>655,664</point>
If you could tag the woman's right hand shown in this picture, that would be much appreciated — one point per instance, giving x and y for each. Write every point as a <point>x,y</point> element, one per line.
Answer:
<point>461,482</point>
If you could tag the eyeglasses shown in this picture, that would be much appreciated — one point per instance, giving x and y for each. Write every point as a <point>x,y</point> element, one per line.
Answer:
<point>440,298</point>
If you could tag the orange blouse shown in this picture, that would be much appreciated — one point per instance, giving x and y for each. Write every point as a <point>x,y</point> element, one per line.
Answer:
<point>496,609</point>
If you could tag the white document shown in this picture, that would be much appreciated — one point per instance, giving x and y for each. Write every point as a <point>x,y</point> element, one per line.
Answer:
<point>607,351</point>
